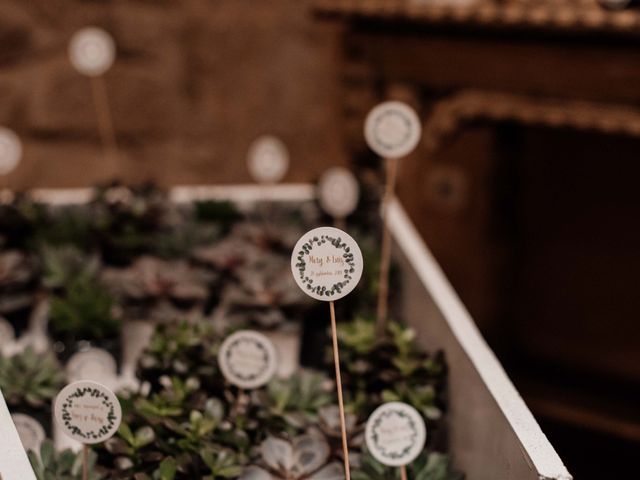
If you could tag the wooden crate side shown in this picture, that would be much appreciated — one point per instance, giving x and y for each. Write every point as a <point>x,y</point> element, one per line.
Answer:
<point>492,433</point>
<point>14,464</point>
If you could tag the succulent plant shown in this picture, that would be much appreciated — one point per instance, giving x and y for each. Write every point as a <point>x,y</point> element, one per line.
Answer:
<point>304,457</point>
<point>378,368</point>
<point>180,422</point>
<point>428,466</point>
<point>17,273</point>
<point>18,217</point>
<point>221,463</point>
<point>222,213</point>
<point>66,465</point>
<point>150,278</point>
<point>62,265</point>
<point>183,350</point>
<point>29,378</point>
<point>58,226</point>
<point>84,310</point>
<point>126,220</point>
<point>293,403</point>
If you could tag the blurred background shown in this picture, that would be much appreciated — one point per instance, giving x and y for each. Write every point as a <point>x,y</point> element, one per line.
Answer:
<point>525,185</point>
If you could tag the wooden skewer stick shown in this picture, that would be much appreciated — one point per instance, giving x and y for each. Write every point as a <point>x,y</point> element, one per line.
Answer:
<point>336,359</point>
<point>403,472</point>
<point>85,462</point>
<point>340,222</point>
<point>391,165</point>
<point>105,121</point>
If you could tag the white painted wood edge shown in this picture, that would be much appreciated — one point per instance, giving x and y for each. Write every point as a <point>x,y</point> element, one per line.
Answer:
<point>14,463</point>
<point>534,442</point>
<point>242,194</point>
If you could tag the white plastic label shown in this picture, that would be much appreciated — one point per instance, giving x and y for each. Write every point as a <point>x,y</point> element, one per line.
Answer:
<point>92,51</point>
<point>247,359</point>
<point>392,129</point>
<point>268,159</point>
<point>7,333</point>
<point>339,192</point>
<point>88,412</point>
<point>395,434</point>
<point>94,364</point>
<point>326,263</point>
<point>10,150</point>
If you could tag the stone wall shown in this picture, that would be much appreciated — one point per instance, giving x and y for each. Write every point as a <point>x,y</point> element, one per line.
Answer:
<point>194,83</point>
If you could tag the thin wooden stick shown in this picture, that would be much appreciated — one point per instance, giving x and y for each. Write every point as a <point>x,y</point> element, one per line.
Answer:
<point>105,121</point>
<point>340,222</point>
<point>336,359</point>
<point>85,462</point>
<point>391,165</point>
<point>403,472</point>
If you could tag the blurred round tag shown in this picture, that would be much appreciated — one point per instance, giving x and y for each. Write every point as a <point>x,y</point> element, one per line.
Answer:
<point>395,434</point>
<point>94,364</point>
<point>87,412</point>
<point>392,129</point>
<point>268,159</point>
<point>247,359</point>
<point>339,192</point>
<point>30,431</point>
<point>10,150</point>
<point>92,51</point>
<point>326,263</point>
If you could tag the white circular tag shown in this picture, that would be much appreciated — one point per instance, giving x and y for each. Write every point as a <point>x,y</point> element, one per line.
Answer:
<point>247,359</point>
<point>326,263</point>
<point>30,431</point>
<point>88,412</point>
<point>92,51</point>
<point>395,434</point>
<point>392,129</point>
<point>339,192</point>
<point>268,159</point>
<point>10,150</point>
<point>94,364</point>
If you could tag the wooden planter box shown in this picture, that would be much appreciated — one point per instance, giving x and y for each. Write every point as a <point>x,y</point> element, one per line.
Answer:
<point>492,433</point>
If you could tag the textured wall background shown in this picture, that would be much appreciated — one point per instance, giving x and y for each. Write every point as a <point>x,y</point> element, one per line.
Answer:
<point>194,83</point>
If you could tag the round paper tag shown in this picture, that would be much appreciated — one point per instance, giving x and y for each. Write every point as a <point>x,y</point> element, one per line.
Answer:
<point>395,434</point>
<point>30,431</point>
<point>268,159</point>
<point>392,129</point>
<point>93,364</point>
<point>92,51</point>
<point>326,263</point>
<point>339,192</point>
<point>247,359</point>
<point>88,412</point>
<point>10,150</point>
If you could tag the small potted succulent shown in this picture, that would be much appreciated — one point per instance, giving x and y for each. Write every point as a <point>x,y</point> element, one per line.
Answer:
<point>83,315</point>
<point>29,381</point>
<point>158,289</point>
<point>386,367</point>
<point>18,287</point>
<point>126,220</point>
<point>428,466</point>
<point>48,464</point>
<point>305,457</point>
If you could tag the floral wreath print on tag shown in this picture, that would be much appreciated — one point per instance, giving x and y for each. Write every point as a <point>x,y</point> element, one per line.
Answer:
<point>415,439</point>
<point>346,249</point>
<point>234,374</point>
<point>75,392</point>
